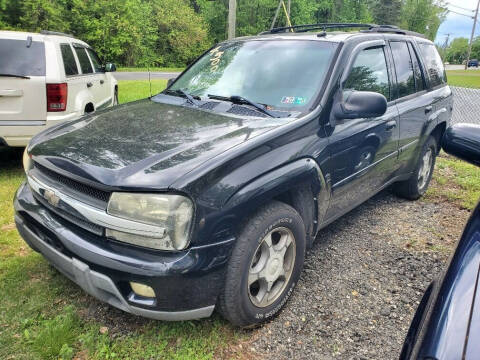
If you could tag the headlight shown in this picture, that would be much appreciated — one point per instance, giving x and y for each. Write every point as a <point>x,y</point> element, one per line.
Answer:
<point>27,161</point>
<point>173,212</point>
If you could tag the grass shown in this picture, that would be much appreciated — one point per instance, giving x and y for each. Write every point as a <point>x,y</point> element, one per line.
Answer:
<point>45,316</point>
<point>455,181</point>
<point>160,69</point>
<point>130,90</point>
<point>464,78</point>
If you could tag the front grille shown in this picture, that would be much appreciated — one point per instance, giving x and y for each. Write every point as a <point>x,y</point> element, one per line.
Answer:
<point>73,184</point>
<point>62,214</point>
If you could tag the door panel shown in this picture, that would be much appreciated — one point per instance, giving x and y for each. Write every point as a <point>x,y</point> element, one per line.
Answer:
<point>363,152</point>
<point>102,82</point>
<point>363,158</point>
<point>90,79</point>
<point>414,103</point>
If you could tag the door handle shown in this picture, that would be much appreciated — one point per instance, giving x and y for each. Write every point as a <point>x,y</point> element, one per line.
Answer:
<point>102,81</point>
<point>390,125</point>
<point>89,84</point>
<point>428,109</point>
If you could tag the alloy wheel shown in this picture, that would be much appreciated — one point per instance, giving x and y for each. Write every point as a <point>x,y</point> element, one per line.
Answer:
<point>271,267</point>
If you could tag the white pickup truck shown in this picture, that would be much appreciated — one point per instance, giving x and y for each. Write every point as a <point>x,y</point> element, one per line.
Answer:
<point>46,78</point>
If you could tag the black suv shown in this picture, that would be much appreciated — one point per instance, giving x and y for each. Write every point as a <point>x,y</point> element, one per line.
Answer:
<point>208,194</point>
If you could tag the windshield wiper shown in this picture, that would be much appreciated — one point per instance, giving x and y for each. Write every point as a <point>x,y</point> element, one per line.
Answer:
<point>189,97</point>
<point>235,99</point>
<point>16,76</point>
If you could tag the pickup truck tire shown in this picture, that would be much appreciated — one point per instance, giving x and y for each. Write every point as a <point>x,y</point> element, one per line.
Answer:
<point>265,265</point>
<point>417,185</point>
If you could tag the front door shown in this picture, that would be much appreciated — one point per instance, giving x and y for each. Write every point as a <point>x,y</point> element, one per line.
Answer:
<point>363,151</point>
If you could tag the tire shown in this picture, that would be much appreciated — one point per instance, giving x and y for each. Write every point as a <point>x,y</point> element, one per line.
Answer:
<point>115,98</point>
<point>417,185</point>
<point>241,301</point>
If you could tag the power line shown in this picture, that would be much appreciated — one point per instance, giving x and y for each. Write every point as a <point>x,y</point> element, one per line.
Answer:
<point>456,12</point>
<point>459,7</point>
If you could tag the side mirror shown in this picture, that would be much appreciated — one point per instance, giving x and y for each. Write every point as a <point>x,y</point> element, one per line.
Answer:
<point>170,81</point>
<point>110,67</point>
<point>463,141</point>
<point>360,104</point>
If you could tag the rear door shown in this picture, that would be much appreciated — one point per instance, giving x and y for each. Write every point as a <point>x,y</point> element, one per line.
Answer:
<point>90,78</point>
<point>22,82</point>
<point>413,101</point>
<point>104,85</point>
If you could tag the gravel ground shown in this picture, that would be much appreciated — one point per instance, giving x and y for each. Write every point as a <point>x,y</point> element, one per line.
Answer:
<point>363,281</point>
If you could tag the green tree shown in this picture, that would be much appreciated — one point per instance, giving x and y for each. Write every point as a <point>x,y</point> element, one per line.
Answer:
<point>121,31</point>
<point>43,15</point>
<point>423,16</point>
<point>182,34</point>
<point>476,48</point>
<point>456,52</point>
<point>386,11</point>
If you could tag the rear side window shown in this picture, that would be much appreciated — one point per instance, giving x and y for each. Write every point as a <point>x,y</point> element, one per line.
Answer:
<point>84,61</point>
<point>369,72</point>
<point>69,62</point>
<point>419,81</point>
<point>97,64</point>
<point>22,57</point>
<point>434,64</point>
<point>403,68</point>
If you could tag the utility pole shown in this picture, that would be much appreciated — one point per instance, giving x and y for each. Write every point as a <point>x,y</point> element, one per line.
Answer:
<point>472,35</point>
<point>232,18</point>
<point>289,3</point>
<point>447,39</point>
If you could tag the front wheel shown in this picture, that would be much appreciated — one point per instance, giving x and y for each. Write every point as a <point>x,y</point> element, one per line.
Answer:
<point>417,185</point>
<point>265,265</point>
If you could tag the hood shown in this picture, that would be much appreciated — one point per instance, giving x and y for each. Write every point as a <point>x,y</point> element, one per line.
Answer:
<point>143,143</point>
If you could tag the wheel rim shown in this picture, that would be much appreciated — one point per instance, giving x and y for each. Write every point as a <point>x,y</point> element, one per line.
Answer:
<point>425,168</point>
<point>271,267</point>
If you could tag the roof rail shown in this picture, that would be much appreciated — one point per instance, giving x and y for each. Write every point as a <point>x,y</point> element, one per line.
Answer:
<point>324,26</point>
<point>319,26</point>
<point>392,29</point>
<point>48,32</point>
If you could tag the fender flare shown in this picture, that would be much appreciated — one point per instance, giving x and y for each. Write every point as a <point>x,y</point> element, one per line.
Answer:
<point>82,99</point>
<point>284,179</point>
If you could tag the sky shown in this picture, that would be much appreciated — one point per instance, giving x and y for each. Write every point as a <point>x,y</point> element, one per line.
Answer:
<point>458,25</point>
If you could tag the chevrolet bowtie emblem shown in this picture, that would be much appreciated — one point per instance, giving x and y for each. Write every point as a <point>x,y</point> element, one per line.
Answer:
<point>51,197</point>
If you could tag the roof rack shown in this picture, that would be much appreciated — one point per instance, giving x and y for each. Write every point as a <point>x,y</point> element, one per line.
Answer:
<point>392,29</point>
<point>48,32</point>
<point>324,26</point>
<point>318,26</point>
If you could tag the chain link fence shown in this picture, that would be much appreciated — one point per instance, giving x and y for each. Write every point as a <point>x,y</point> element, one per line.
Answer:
<point>466,105</point>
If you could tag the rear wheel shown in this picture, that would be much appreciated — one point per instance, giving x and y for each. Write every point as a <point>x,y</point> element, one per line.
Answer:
<point>417,185</point>
<point>265,265</point>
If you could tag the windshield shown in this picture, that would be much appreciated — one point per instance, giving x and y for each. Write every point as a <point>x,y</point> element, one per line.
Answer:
<point>285,74</point>
<point>19,57</point>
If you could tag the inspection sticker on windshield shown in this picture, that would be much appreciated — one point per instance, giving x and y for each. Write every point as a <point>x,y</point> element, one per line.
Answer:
<point>294,100</point>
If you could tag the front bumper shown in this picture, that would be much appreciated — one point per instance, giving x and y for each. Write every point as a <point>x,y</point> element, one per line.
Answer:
<point>186,283</point>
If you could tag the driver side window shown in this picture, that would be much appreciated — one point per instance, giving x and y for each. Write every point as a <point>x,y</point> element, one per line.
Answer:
<point>369,73</point>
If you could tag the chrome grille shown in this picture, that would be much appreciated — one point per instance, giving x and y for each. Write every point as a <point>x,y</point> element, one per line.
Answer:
<point>73,184</point>
<point>84,224</point>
